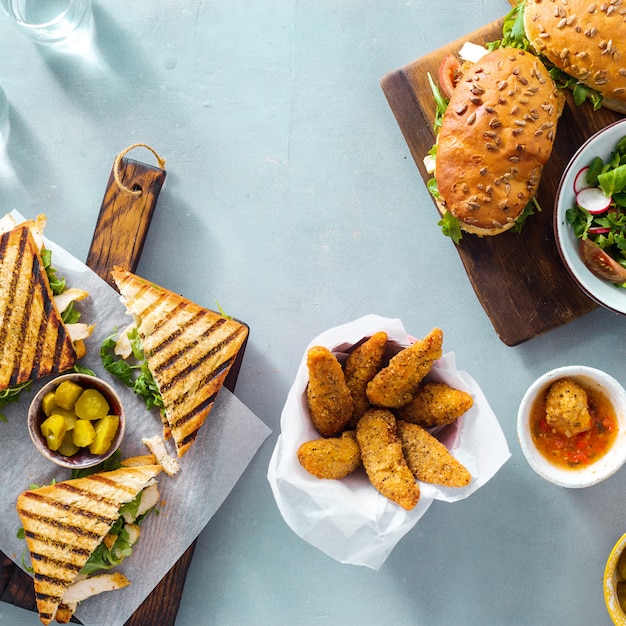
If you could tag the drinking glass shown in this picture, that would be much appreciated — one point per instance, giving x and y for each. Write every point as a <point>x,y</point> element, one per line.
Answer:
<point>51,22</point>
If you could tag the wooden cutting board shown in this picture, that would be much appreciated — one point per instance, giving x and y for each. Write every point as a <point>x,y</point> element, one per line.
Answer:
<point>519,279</point>
<point>119,236</point>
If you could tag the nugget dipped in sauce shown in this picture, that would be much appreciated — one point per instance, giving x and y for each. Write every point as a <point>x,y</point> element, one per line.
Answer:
<point>383,460</point>
<point>435,404</point>
<point>362,365</point>
<point>567,408</point>
<point>332,457</point>
<point>395,385</point>
<point>328,397</point>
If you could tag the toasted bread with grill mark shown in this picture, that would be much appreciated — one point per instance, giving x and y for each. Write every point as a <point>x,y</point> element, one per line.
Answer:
<point>65,522</point>
<point>34,341</point>
<point>189,350</point>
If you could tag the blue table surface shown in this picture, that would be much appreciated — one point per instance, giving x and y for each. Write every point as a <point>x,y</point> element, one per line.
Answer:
<point>292,200</point>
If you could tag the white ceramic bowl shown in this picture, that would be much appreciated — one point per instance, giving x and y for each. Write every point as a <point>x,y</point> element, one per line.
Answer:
<point>610,584</point>
<point>605,466</point>
<point>601,291</point>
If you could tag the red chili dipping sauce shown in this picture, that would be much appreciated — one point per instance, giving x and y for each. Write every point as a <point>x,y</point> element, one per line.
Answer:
<point>581,449</point>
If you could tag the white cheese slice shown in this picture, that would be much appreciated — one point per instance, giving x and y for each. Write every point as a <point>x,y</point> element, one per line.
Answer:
<point>471,52</point>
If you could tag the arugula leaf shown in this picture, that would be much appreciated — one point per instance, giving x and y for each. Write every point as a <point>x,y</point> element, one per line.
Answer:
<point>103,558</point>
<point>70,315</point>
<point>580,220</point>
<point>513,32</point>
<point>450,227</point>
<point>579,91</point>
<point>79,369</point>
<point>57,285</point>
<point>11,394</point>
<point>137,376</point>
<point>433,187</point>
<point>441,103</point>
<point>529,209</point>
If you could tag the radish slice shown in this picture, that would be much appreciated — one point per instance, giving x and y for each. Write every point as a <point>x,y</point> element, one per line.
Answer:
<point>593,200</point>
<point>580,182</point>
<point>599,230</point>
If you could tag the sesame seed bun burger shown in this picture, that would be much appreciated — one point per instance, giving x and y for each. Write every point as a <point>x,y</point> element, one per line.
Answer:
<point>583,39</point>
<point>495,136</point>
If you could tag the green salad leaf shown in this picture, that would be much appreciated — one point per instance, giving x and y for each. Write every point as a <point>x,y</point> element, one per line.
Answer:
<point>57,284</point>
<point>12,394</point>
<point>513,32</point>
<point>607,229</point>
<point>136,375</point>
<point>613,181</point>
<point>441,103</point>
<point>530,209</point>
<point>450,227</point>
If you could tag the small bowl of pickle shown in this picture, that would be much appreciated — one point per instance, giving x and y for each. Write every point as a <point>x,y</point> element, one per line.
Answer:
<point>76,420</point>
<point>615,583</point>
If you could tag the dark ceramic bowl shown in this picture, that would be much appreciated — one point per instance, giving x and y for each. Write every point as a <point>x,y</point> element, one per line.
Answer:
<point>83,458</point>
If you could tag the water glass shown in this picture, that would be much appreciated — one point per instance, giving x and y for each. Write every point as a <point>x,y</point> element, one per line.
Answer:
<point>51,22</point>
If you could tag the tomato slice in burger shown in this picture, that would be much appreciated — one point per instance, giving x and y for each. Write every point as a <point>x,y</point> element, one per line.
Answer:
<point>600,263</point>
<point>450,74</point>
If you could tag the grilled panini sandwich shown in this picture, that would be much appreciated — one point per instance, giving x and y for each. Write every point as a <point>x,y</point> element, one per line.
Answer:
<point>188,349</point>
<point>65,522</point>
<point>34,341</point>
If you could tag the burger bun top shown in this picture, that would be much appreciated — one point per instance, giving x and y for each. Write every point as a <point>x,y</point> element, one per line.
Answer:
<point>496,135</point>
<point>585,39</point>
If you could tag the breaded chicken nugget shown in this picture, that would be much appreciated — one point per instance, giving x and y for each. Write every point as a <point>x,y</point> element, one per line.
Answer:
<point>334,457</point>
<point>395,384</point>
<point>362,365</point>
<point>429,459</point>
<point>381,453</point>
<point>567,407</point>
<point>435,404</point>
<point>328,396</point>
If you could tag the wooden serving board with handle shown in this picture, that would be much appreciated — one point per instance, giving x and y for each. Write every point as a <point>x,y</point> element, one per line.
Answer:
<point>519,279</point>
<point>119,236</point>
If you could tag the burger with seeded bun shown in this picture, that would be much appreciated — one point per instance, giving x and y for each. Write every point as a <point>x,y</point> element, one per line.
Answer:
<point>495,136</point>
<point>584,39</point>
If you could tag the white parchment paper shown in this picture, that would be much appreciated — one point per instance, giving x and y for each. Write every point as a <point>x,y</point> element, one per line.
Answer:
<point>348,519</point>
<point>226,444</point>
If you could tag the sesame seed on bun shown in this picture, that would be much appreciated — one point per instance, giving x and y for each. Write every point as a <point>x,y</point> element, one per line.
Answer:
<point>496,135</point>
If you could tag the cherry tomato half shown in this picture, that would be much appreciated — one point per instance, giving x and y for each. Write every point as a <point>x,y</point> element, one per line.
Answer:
<point>450,74</point>
<point>600,263</point>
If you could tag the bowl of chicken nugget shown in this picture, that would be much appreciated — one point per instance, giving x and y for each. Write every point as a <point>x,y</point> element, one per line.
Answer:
<point>377,425</point>
<point>571,426</point>
<point>376,411</point>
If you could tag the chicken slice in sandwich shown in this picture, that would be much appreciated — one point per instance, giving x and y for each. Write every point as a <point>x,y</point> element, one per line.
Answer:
<point>70,525</point>
<point>188,351</point>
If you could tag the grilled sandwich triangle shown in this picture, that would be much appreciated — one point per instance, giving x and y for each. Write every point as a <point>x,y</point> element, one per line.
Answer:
<point>189,350</point>
<point>65,522</point>
<point>34,342</point>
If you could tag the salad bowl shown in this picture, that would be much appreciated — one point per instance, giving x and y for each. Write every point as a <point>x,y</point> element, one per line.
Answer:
<point>573,253</point>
